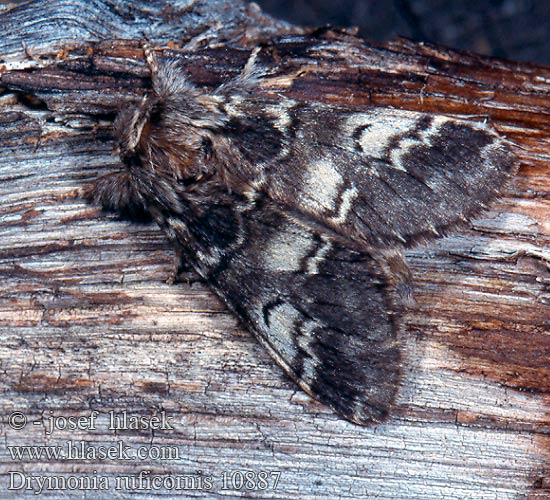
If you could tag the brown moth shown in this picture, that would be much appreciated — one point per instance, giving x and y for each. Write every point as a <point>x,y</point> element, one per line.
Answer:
<point>296,214</point>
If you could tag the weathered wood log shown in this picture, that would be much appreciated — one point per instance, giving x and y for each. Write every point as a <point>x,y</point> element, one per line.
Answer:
<point>88,323</point>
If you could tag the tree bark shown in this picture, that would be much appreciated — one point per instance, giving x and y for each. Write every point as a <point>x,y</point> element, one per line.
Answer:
<point>89,325</point>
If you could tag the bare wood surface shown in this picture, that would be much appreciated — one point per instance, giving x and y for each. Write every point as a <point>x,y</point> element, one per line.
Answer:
<point>88,323</point>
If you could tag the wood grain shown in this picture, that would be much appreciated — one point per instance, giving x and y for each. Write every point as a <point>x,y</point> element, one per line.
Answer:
<point>88,322</point>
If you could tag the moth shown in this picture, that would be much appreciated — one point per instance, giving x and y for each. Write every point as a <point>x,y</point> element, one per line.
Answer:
<point>297,214</point>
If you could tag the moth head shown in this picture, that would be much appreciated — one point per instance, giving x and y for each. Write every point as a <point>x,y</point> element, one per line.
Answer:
<point>170,132</point>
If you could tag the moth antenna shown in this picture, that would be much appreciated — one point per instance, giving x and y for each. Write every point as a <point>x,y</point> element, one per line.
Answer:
<point>150,57</point>
<point>250,70</point>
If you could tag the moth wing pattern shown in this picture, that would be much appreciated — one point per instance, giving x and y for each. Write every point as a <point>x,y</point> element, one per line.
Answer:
<point>295,214</point>
<point>379,176</point>
<point>326,313</point>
